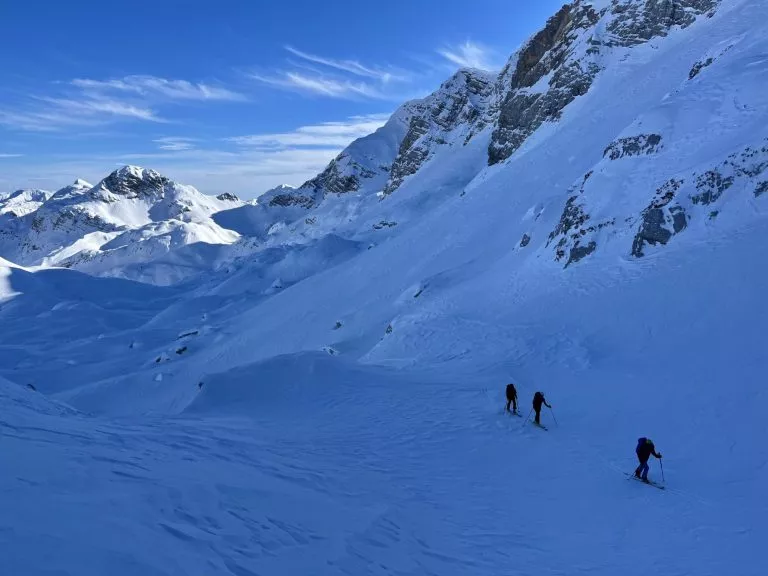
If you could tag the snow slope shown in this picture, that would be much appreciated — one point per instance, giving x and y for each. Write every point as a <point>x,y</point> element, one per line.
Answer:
<point>331,402</point>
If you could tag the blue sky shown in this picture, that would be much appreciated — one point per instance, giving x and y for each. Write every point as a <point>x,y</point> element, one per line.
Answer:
<point>231,95</point>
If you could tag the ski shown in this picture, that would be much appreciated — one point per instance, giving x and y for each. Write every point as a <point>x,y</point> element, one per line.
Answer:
<point>649,483</point>
<point>539,426</point>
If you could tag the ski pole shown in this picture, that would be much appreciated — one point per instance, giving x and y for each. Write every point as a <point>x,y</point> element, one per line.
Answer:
<point>662,471</point>
<point>527,418</point>
<point>553,416</point>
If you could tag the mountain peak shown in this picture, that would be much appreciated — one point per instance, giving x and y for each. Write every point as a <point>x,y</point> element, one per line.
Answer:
<point>282,188</point>
<point>228,197</point>
<point>134,182</point>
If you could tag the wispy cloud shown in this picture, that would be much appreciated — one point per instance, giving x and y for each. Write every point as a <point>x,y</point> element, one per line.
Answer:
<point>351,66</point>
<point>50,114</point>
<point>322,85</point>
<point>10,155</point>
<point>153,85</point>
<point>89,102</point>
<point>175,144</point>
<point>469,55</point>
<point>327,134</point>
<point>317,75</point>
<point>93,106</point>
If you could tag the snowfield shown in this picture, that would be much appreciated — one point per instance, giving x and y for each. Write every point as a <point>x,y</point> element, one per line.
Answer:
<point>314,383</point>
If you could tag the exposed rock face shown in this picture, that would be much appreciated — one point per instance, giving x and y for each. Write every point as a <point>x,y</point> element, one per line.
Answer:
<point>332,179</point>
<point>711,186</point>
<point>637,22</point>
<point>131,182</point>
<point>549,53</point>
<point>665,216</point>
<point>453,114</point>
<point>228,197</point>
<point>556,66</point>
<point>561,62</point>
<point>384,224</point>
<point>292,199</point>
<point>574,228</point>
<point>460,105</point>
<point>657,217</point>
<point>633,146</point>
<point>698,67</point>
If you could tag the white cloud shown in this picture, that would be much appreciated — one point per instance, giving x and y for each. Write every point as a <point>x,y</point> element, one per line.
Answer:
<point>152,85</point>
<point>322,85</point>
<point>96,105</point>
<point>175,144</point>
<point>10,155</point>
<point>328,134</point>
<point>351,66</point>
<point>469,55</point>
<point>88,102</point>
<point>337,78</point>
<point>50,114</point>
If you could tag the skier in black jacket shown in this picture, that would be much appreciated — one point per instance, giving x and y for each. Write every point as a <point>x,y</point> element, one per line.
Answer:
<point>644,450</point>
<point>512,398</point>
<point>538,400</point>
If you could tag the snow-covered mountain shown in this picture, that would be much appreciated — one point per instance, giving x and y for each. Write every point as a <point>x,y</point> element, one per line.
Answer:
<point>447,141</point>
<point>328,398</point>
<point>132,217</point>
<point>22,202</point>
<point>476,120</point>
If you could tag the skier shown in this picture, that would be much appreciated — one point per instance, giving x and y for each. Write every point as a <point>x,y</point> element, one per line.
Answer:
<point>644,450</point>
<point>538,400</point>
<point>512,398</point>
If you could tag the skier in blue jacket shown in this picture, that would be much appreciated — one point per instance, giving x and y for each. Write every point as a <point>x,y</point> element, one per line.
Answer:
<point>644,450</point>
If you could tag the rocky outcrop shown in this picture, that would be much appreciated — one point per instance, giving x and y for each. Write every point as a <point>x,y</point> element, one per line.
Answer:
<point>637,22</point>
<point>292,200</point>
<point>711,186</point>
<point>561,62</point>
<point>461,105</point>
<point>574,228</point>
<point>661,219</point>
<point>334,180</point>
<point>708,60</point>
<point>672,206</point>
<point>384,224</point>
<point>698,67</point>
<point>750,163</point>
<point>526,106</point>
<point>643,144</point>
<point>131,182</point>
<point>228,197</point>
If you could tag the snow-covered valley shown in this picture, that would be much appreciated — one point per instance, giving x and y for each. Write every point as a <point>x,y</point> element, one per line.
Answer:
<point>313,383</point>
